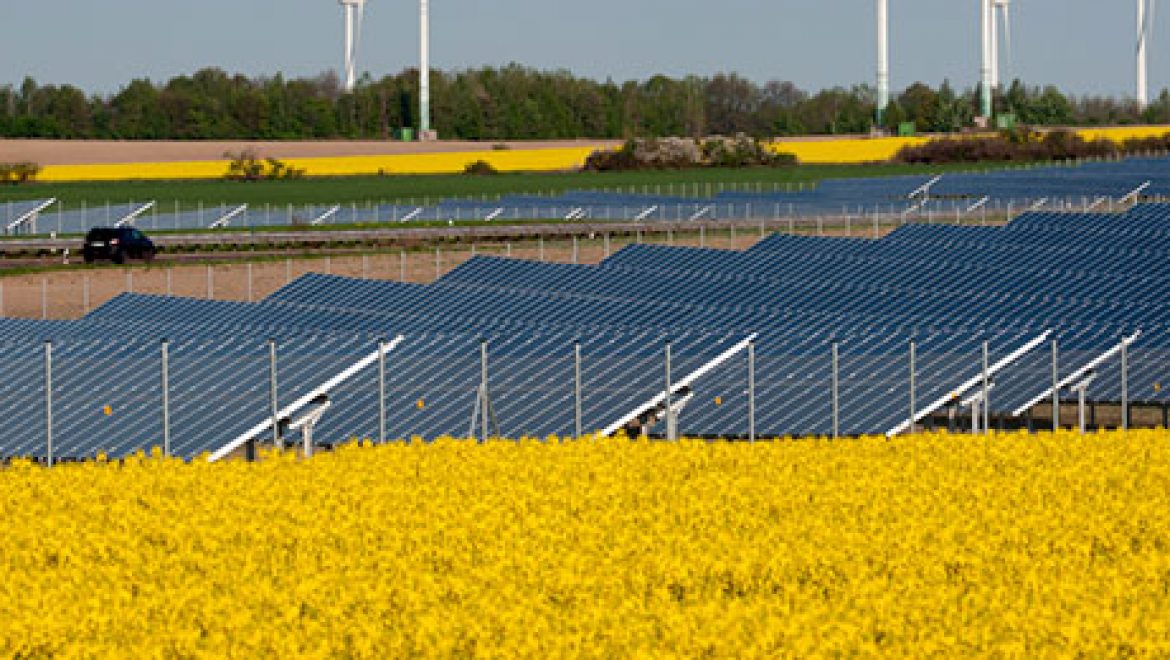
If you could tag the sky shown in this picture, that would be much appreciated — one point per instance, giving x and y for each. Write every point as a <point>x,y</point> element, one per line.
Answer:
<point>1082,46</point>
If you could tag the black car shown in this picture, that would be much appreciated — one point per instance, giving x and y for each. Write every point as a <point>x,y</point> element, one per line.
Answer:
<point>117,244</point>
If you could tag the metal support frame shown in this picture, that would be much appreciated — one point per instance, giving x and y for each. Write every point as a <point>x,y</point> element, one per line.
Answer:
<point>751,390</point>
<point>1124,387</point>
<point>1077,376</point>
<point>326,216</point>
<point>970,383</point>
<point>381,391</point>
<point>684,383</point>
<point>226,219</point>
<point>49,402</point>
<point>1055,385</point>
<point>913,381</point>
<point>30,215</point>
<point>324,388</point>
<point>165,382</point>
<point>835,385</point>
<point>483,413</point>
<point>273,391</point>
<point>130,217</point>
<point>577,417</point>
<point>985,401</point>
<point>671,415</point>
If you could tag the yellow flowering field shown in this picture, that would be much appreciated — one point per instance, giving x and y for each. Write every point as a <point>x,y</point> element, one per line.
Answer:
<point>512,160</point>
<point>1010,545</point>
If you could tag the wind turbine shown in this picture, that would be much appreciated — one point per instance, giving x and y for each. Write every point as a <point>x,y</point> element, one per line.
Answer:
<point>355,11</point>
<point>1001,16</point>
<point>1145,31</point>
<point>424,70</point>
<point>883,60</point>
<point>986,64</point>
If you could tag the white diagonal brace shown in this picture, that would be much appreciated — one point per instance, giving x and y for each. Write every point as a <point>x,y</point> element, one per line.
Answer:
<point>1077,375</point>
<point>130,217</point>
<point>305,400</point>
<point>326,216</point>
<point>972,382</point>
<point>29,215</point>
<point>679,384</point>
<point>226,218</point>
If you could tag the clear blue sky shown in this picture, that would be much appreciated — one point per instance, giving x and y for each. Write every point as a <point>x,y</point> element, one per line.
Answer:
<point>1084,46</point>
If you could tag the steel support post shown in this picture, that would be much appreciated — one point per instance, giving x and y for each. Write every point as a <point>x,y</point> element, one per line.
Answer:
<point>835,386</point>
<point>985,403</point>
<point>49,402</point>
<point>577,421</point>
<point>751,390</point>
<point>1055,385</point>
<point>381,391</point>
<point>668,417</point>
<point>165,381</point>
<point>913,384</point>
<point>1124,385</point>
<point>273,394</point>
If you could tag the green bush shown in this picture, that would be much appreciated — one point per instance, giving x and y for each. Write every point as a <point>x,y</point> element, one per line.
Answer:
<point>17,173</point>
<point>247,165</point>
<point>480,167</point>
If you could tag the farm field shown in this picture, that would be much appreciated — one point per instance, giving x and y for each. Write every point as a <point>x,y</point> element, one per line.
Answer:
<point>420,187</point>
<point>1001,545</point>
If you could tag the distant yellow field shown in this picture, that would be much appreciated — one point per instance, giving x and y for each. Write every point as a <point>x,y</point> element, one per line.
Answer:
<point>530,160</point>
<point>844,150</point>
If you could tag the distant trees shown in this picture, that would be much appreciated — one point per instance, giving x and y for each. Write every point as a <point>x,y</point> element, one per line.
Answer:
<point>515,102</point>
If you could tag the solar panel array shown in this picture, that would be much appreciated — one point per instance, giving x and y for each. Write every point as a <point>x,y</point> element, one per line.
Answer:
<point>1096,184</point>
<point>810,304</point>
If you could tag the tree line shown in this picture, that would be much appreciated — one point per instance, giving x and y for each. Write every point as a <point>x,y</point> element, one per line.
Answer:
<point>516,102</point>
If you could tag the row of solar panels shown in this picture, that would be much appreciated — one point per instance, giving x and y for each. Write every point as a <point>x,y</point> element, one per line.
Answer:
<point>1093,184</point>
<point>948,289</point>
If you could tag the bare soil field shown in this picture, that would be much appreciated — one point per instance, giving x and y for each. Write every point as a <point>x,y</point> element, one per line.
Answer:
<point>70,294</point>
<point>82,152</point>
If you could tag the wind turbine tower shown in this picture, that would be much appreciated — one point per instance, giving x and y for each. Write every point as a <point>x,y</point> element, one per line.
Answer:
<point>1000,16</point>
<point>354,13</point>
<point>424,71</point>
<point>1145,30</point>
<point>986,63</point>
<point>883,60</point>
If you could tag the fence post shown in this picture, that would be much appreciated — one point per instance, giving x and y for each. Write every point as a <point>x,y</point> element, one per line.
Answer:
<point>438,263</point>
<point>2,298</point>
<point>85,294</point>
<point>170,281</point>
<point>287,270</point>
<point>668,416</point>
<point>541,252</point>
<point>272,384</point>
<point>49,402</point>
<point>1055,385</point>
<point>913,384</point>
<point>402,265</point>
<point>210,283</point>
<point>1124,385</point>
<point>44,298</point>
<point>166,397</point>
<point>366,266</point>
<point>835,386</point>
<point>986,398</point>
<point>574,249</point>
<point>751,358</point>
<point>249,282</point>
<point>381,391</point>
<point>577,425</point>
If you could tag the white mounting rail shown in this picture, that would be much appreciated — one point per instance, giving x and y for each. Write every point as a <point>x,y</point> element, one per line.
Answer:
<point>1096,202</point>
<point>978,205</point>
<point>412,215</point>
<point>494,214</point>
<point>130,217</point>
<point>645,214</point>
<point>700,213</point>
<point>1135,192</point>
<point>305,400</point>
<point>1037,206</point>
<point>576,214</point>
<point>684,382</point>
<point>227,218</point>
<point>26,217</point>
<point>1077,375</point>
<point>975,381</point>
<point>924,189</point>
<point>326,216</point>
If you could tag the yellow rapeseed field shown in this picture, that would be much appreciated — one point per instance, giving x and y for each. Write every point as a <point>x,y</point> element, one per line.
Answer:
<point>1010,545</point>
<point>844,150</point>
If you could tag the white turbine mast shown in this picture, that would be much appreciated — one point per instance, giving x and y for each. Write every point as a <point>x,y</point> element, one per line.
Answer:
<point>985,66</point>
<point>355,11</point>
<point>424,70</point>
<point>883,60</point>
<point>1145,31</point>
<point>1001,17</point>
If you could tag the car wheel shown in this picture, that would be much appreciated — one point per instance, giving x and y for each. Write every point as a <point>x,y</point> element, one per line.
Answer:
<point>119,257</point>
<point>148,256</point>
